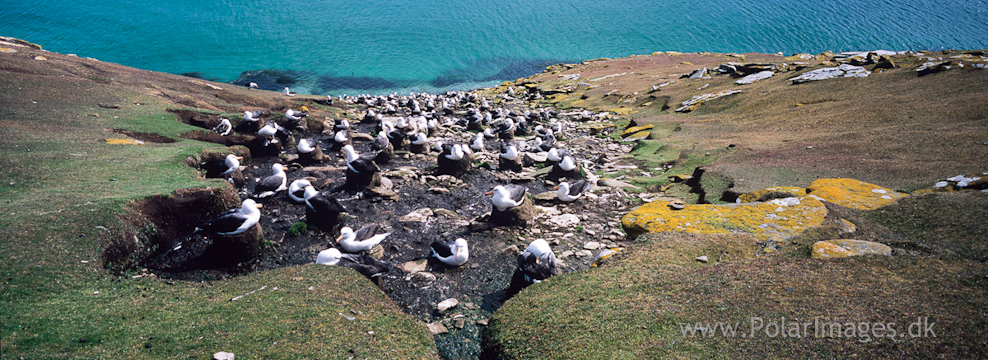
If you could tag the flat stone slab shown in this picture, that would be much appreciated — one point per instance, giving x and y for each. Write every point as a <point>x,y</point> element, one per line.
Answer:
<point>848,247</point>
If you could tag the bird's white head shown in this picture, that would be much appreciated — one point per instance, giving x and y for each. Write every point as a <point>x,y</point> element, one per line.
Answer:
<point>249,206</point>
<point>329,256</point>
<point>345,232</point>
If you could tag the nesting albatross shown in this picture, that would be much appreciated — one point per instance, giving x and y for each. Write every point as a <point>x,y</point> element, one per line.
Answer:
<point>233,221</point>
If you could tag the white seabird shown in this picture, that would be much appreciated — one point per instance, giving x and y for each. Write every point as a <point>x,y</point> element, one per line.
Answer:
<point>365,264</point>
<point>478,143</point>
<point>272,184</point>
<point>537,262</point>
<point>321,204</point>
<point>296,190</point>
<point>507,196</point>
<point>304,147</point>
<point>361,240</point>
<point>295,114</point>
<point>233,221</point>
<point>452,253</point>
<point>224,127</point>
<point>253,116</point>
<point>224,166</point>
<point>289,92</point>
<point>570,192</point>
<point>269,131</point>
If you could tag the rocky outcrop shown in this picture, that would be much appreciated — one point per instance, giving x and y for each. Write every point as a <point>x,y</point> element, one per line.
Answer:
<point>844,248</point>
<point>692,104</point>
<point>774,220</point>
<point>832,73</point>
<point>774,214</point>
<point>853,193</point>
<point>756,77</point>
<point>933,67</point>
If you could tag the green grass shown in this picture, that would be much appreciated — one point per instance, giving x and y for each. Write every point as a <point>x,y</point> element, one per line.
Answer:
<point>633,306</point>
<point>61,200</point>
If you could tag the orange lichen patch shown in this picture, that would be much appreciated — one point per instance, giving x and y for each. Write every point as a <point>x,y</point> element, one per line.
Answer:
<point>635,129</point>
<point>755,195</point>
<point>124,142</point>
<point>773,220</point>
<point>847,247</point>
<point>853,193</point>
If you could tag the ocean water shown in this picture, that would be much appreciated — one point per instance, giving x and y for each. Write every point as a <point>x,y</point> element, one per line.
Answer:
<point>377,46</point>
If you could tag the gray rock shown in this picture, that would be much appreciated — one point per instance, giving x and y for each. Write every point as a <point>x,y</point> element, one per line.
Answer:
<point>593,245</point>
<point>545,196</point>
<point>530,159</point>
<point>459,323</point>
<point>698,74</point>
<point>420,215</point>
<point>728,68</point>
<point>615,184</point>
<point>933,67</point>
<point>415,266</point>
<point>223,355</point>
<point>425,276</point>
<point>756,77</point>
<point>564,220</point>
<point>832,73</point>
<point>447,304</point>
<point>485,321</point>
<point>437,328</point>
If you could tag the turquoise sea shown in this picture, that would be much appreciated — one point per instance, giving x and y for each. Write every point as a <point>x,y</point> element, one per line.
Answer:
<point>378,46</point>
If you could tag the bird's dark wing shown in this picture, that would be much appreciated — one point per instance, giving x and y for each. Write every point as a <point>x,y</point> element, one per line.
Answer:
<point>365,264</point>
<point>270,183</point>
<point>366,232</point>
<point>516,192</point>
<point>442,247</point>
<point>364,166</point>
<point>380,143</point>
<point>578,187</point>
<point>325,204</point>
<point>225,222</point>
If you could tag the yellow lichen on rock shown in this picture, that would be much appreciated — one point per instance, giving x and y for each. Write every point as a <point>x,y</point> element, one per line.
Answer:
<point>635,129</point>
<point>848,247</point>
<point>124,142</point>
<point>863,247</point>
<point>826,250</point>
<point>773,220</point>
<point>853,193</point>
<point>755,195</point>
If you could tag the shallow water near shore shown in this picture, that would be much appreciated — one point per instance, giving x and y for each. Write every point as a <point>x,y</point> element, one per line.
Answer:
<point>336,47</point>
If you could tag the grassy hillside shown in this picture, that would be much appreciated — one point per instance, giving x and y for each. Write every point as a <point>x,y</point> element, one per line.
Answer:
<point>64,187</point>
<point>639,305</point>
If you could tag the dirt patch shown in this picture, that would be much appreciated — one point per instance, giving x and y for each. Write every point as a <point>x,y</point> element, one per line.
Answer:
<point>146,137</point>
<point>159,234</point>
